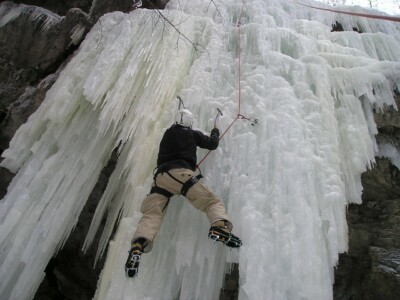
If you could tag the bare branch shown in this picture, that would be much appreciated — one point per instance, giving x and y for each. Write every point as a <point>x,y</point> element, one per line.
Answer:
<point>180,33</point>
<point>195,45</point>
<point>216,7</point>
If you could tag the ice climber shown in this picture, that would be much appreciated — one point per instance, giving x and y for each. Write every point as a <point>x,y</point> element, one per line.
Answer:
<point>175,175</point>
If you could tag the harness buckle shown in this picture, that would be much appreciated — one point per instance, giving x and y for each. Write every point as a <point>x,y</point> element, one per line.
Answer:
<point>189,183</point>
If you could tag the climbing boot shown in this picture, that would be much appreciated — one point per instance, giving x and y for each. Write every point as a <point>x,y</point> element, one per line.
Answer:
<point>221,232</point>
<point>133,261</point>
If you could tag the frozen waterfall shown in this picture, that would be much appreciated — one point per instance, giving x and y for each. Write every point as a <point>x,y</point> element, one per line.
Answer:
<point>286,181</point>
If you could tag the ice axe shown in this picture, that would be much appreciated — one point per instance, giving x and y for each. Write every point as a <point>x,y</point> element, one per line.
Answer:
<point>180,103</point>
<point>137,4</point>
<point>219,113</point>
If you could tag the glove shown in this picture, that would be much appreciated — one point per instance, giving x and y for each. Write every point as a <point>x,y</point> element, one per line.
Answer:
<point>215,132</point>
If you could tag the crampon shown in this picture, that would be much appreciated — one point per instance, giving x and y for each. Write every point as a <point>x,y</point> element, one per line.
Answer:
<point>216,233</point>
<point>132,263</point>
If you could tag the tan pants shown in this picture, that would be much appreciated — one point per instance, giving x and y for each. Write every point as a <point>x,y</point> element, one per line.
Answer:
<point>154,205</point>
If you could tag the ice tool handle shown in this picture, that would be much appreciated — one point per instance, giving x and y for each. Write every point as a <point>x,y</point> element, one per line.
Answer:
<point>181,104</point>
<point>137,4</point>
<point>217,117</point>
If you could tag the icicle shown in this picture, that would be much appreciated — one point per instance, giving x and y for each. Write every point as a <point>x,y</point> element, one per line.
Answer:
<point>285,182</point>
<point>11,11</point>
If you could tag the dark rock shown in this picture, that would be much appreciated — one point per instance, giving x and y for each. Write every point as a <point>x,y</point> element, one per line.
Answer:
<point>72,274</point>
<point>230,290</point>
<point>384,280</point>
<point>6,177</point>
<point>155,4</point>
<point>100,8</point>
<point>36,39</point>
<point>19,111</point>
<point>370,270</point>
<point>33,45</point>
<point>372,225</point>
<point>382,182</point>
<point>59,7</point>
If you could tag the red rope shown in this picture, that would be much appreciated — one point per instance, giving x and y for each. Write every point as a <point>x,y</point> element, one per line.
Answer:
<point>239,116</point>
<point>239,58</point>
<point>389,18</point>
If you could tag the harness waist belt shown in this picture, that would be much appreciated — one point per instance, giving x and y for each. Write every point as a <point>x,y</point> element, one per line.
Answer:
<point>185,186</point>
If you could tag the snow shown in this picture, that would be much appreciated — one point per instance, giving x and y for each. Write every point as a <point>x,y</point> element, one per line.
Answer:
<point>286,181</point>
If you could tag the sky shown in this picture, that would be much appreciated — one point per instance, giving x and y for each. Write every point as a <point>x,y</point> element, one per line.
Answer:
<point>391,7</point>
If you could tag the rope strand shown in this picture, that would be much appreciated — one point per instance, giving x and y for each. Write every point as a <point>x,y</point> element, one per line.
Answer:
<point>372,16</point>
<point>239,115</point>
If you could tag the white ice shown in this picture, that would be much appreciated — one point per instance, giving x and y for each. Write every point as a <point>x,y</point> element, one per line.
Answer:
<point>391,152</point>
<point>286,181</point>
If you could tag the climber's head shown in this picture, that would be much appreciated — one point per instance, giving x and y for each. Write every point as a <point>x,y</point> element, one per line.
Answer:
<point>184,118</point>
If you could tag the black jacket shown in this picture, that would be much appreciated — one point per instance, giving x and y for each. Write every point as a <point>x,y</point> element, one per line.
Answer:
<point>179,145</point>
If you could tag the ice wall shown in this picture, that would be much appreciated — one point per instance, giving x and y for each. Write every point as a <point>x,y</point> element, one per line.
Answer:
<point>286,181</point>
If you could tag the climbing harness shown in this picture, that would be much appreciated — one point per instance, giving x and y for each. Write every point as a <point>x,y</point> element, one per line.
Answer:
<point>159,190</point>
<point>155,189</point>
<point>189,183</point>
<point>184,189</point>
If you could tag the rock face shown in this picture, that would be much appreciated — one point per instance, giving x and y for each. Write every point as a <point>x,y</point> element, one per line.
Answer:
<point>30,61</point>
<point>34,47</point>
<point>35,42</point>
<point>59,7</point>
<point>371,268</point>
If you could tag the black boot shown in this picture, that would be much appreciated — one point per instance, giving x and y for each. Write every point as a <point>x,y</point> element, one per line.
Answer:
<point>220,232</point>
<point>133,261</point>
